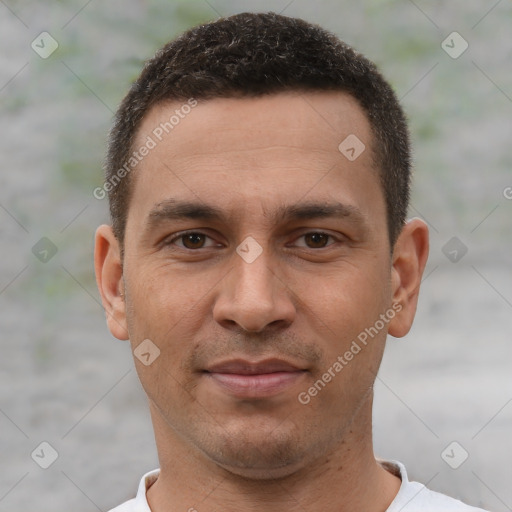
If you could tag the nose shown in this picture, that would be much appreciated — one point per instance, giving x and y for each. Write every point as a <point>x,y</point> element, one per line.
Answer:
<point>253,296</point>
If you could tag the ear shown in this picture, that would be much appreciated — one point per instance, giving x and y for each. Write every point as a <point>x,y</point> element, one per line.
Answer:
<point>109,278</point>
<point>409,259</point>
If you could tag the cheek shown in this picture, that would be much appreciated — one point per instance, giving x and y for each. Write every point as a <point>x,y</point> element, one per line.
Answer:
<point>349,300</point>
<point>164,293</point>
<point>163,311</point>
<point>168,307</point>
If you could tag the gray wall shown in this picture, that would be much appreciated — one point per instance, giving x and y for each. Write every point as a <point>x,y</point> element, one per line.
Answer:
<point>64,380</point>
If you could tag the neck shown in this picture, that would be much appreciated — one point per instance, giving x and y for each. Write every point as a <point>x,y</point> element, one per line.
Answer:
<point>344,479</point>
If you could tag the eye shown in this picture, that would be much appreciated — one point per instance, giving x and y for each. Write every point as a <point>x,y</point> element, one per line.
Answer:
<point>190,240</point>
<point>316,239</point>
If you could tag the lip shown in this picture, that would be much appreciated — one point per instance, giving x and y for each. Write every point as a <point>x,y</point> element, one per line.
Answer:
<point>244,367</point>
<point>246,379</point>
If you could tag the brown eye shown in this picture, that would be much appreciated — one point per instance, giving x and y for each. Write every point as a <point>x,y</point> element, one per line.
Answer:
<point>316,240</point>
<point>193,240</point>
<point>190,241</point>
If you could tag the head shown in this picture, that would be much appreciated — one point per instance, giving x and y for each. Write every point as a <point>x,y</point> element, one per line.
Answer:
<point>253,55</point>
<point>263,225</point>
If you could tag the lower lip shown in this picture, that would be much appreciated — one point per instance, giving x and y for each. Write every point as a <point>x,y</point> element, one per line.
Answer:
<point>256,386</point>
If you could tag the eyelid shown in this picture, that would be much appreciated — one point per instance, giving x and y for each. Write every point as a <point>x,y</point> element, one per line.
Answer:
<point>181,234</point>
<point>318,232</point>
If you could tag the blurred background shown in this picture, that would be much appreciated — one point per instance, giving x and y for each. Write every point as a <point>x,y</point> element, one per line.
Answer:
<point>443,401</point>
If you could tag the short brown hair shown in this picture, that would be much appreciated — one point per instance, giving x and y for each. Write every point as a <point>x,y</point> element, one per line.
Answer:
<point>253,54</point>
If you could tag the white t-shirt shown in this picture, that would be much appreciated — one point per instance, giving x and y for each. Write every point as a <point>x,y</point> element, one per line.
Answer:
<point>412,496</point>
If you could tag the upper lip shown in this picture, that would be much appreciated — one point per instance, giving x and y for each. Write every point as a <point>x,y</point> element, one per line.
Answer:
<point>244,367</point>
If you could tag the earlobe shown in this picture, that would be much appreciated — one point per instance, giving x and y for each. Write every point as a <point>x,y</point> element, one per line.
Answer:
<point>109,278</point>
<point>409,260</point>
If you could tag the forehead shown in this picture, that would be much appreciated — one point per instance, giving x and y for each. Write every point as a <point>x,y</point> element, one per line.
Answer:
<point>314,119</point>
<point>236,152</point>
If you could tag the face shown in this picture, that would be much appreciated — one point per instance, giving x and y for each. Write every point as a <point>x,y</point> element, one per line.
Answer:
<point>256,260</point>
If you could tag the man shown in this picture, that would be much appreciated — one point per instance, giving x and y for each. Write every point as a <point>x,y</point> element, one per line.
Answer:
<point>258,176</point>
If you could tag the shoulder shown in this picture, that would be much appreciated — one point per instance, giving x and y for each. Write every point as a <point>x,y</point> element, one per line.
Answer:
<point>128,506</point>
<point>418,498</point>
<point>139,503</point>
<point>415,497</point>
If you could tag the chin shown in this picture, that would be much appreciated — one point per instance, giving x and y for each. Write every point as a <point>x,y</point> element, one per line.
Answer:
<point>260,462</point>
<point>261,474</point>
<point>257,455</point>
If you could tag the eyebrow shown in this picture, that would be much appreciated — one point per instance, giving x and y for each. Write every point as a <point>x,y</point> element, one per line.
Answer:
<point>173,209</point>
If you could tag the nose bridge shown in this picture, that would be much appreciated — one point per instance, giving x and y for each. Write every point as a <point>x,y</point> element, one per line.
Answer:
<point>254,279</point>
<point>252,296</point>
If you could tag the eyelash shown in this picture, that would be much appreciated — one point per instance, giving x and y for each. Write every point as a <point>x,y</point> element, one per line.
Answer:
<point>182,234</point>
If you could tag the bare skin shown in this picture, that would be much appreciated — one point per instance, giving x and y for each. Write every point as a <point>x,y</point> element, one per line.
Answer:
<point>237,442</point>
